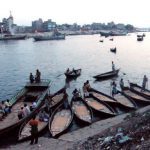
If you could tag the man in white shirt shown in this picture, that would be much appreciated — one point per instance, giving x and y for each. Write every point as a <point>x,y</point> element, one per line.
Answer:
<point>26,110</point>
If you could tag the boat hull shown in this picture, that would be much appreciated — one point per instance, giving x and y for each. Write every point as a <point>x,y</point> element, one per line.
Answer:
<point>79,120</point>
<point>107,75</point>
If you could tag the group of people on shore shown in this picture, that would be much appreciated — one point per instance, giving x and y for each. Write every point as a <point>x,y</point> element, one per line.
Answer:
<point>37,78</point>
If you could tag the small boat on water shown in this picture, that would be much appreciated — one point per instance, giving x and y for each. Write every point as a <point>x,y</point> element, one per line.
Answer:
<point>12,37</point>
<point>136,97</point>
<point>101,41</point>
<point>57,98</point>
<point>111,39</point>
<point>73,74</point>
<point>81,110</point>
<point>60,120</point>
<point>32,92</point>
<point>25,129</point>
<point>138,89</point>
<point>53,36</point>
<point>113,50</point>
<point>118,33</point>
<point>99,106</point>
<point>140,38</point>
<point>107,75</point>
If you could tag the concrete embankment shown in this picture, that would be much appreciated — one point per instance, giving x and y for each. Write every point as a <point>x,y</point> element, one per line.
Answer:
<point>72,139</point>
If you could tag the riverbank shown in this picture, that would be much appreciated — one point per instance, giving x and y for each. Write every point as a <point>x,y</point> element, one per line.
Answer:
<point>134,128</point>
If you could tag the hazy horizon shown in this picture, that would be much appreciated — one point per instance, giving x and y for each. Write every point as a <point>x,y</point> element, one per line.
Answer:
<point>80,12</point>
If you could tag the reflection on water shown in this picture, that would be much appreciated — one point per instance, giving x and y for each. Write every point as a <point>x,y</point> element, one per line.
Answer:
<point>52,58</point>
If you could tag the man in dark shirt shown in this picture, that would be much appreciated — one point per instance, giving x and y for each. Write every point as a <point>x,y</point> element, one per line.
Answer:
<point>34,130</point>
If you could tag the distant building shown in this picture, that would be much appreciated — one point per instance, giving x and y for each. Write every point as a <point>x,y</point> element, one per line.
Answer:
<point>49,25</point>
<point>37,25</point>
<point>7,25</point>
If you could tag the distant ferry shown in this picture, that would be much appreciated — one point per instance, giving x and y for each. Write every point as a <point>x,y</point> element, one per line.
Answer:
<point>12,37</point>
<point>54,36</point>
<point>112,33</point>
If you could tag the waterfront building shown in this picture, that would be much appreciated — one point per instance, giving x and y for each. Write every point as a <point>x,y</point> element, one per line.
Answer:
<point>37,25</point>
<point>49,25</point>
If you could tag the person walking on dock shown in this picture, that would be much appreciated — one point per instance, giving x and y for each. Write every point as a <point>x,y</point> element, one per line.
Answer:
<point>34,130</point>
<point>144,83</point>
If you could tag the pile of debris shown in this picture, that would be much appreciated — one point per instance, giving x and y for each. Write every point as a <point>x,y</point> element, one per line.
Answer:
<point>133,133</point>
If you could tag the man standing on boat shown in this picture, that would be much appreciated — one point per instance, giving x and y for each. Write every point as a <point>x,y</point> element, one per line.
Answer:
<point>121,84</point>
<point>31,77</point>
<point>113,66</point>
<point>144,83</point>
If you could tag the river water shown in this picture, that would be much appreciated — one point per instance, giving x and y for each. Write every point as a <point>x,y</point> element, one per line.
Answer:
<point>52,58</point>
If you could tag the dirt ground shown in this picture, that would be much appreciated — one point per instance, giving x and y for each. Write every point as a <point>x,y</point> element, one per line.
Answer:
<point>132,134</point>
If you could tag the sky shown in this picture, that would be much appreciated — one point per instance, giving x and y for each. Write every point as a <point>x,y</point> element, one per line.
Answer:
<point>135,12</point>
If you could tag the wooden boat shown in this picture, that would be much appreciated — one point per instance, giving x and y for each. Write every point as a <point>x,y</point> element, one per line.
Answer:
<point>25,130</point>
<point>113,50</point>
<point>99,106</point>
<point>60,120</point>
<point>101,41</point>
<point>73,74</point>
<point>124,100</point>
<point>57,98</point>
<point>138,89</point>
<point>81,110</point>
<point>140,38</point>
<point>103,97</point>
<point>107,75</point>
<point>137,98</point>
<point>31,92</point>
<point>118,100</point>
<point>12,37</point>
